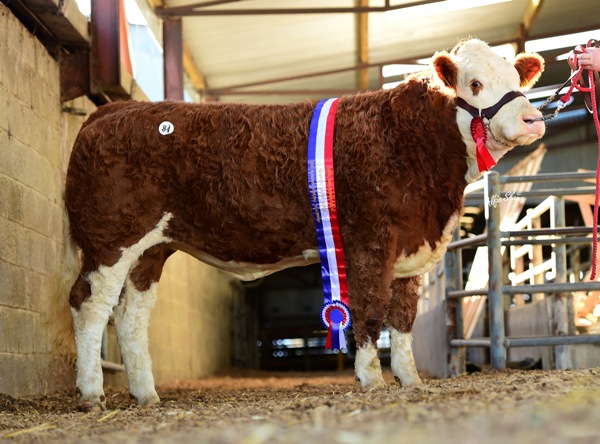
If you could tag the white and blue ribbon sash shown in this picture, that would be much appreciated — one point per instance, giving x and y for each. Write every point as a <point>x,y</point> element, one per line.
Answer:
<point>335,314</point>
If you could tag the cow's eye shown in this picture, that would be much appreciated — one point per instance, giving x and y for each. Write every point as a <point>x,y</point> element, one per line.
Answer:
<point>476,86</point>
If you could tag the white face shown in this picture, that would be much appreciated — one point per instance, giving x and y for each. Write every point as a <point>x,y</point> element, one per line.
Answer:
<point>483,78</point>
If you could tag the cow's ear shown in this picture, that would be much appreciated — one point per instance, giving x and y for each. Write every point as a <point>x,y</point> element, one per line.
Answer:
<point>530,68</point>
<point>445,69</point>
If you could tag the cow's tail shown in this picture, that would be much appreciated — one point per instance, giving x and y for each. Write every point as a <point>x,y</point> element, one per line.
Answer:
<point>60,320</point>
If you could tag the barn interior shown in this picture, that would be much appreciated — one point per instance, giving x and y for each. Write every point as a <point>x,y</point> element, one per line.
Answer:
<point>61,59</point>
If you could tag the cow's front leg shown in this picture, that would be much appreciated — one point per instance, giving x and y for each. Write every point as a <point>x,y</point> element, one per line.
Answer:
<point>370,294</point>
<point>400,319</point>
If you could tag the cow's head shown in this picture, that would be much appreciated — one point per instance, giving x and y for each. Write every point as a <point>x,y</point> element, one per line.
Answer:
<point>483,79</point>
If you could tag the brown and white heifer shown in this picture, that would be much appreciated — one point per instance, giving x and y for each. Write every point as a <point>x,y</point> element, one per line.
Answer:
<point>229,186</point>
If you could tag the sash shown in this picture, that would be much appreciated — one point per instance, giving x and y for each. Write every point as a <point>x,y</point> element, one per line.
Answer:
<point>335,314</point>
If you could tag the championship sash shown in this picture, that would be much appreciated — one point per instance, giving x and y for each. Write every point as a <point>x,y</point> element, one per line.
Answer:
<point>335,314</point>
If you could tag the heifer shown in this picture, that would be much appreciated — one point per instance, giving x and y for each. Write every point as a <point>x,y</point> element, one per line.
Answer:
<point>227,183</point>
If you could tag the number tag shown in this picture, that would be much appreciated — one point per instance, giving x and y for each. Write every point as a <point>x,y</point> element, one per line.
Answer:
<point>166,128</point>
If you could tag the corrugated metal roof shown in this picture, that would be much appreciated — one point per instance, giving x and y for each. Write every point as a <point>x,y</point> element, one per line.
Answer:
<point>244,49</point>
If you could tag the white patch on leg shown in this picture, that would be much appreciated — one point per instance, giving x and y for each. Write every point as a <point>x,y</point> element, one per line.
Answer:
<point>368,367</point>
<point>131,318</point>
<point>91,318</point>
<point>403,361</point>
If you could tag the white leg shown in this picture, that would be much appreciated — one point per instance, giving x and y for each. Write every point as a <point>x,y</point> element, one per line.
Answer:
<point>131,318</point>
<point>403,361</point>
<point>89,322</point>
<point>368,367</point>
<point>91,318</point>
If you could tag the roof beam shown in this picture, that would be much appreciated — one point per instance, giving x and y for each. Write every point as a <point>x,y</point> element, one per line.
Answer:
<point>200,9</point>
<point>239,88</point>
<point>192,70</point>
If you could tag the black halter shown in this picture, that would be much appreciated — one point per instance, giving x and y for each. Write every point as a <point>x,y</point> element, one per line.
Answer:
<point>490,112</point>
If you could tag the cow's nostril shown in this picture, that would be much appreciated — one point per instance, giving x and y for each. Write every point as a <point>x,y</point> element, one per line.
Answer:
<point>530,119</point>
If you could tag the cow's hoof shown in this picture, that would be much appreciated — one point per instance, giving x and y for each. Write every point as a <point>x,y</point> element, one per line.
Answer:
<point>149,401</point>
<point>93,405</point>
<point>409,382</point>
<point>370,382</point>
<point>413,382</point>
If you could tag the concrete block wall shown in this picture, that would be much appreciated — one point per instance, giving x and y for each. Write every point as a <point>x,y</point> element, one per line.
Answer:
<point>35,139</point>
<point>190,332</point>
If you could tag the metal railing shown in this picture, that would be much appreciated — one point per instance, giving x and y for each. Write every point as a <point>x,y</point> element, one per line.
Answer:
<point>557,237</point>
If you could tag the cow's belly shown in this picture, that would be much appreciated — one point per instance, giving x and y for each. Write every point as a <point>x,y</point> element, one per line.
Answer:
<point>425,257</point>
<point>247,271</point>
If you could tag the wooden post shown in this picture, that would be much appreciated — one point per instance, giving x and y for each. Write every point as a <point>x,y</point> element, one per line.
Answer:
<point>173,58</point>
<point>362,44</point>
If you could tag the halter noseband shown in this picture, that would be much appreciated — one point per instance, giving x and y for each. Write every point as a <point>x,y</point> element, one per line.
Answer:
<point>491,111</point>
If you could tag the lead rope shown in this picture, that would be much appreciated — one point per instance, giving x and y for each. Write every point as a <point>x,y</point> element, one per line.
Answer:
<point>591,89</point>
<point>576,72</point>
<point>596,198</point>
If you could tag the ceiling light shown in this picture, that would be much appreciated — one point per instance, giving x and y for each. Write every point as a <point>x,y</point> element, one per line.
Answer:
<point>437,8</point>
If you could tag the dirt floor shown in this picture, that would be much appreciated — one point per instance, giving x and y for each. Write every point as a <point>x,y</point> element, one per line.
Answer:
<point>510,406</point>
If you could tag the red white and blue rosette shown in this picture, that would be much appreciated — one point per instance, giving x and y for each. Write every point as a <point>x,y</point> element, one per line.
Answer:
<point>335,314</point>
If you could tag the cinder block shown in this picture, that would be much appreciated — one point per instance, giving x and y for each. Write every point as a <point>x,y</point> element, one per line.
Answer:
<point>23,257</point>
<point>9,371</point>
<point>28,49</point>
<point>57,221</point>
<point>6,185</point>
<point>23,331</point>
<point>14,331</point>
<point>8,241</point>
<point>4,13</point>
<point>36,211</point>
<point>15,202</point>
<point>5,340</point>
<point>33,290</point>
<point>53,151</point>
<point>42,253</point>
<point>12,291</point>
<point>10,61</point>
<point>4,96</point>
<point>41,340</point>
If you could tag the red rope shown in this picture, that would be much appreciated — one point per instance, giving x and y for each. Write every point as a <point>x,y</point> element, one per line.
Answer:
<point>592,90</point>
<point>595,227</point>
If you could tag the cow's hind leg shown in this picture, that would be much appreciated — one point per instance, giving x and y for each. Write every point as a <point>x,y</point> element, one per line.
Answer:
<point>93,297</point>
<point>131,320</point>
<point>401,316</point>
